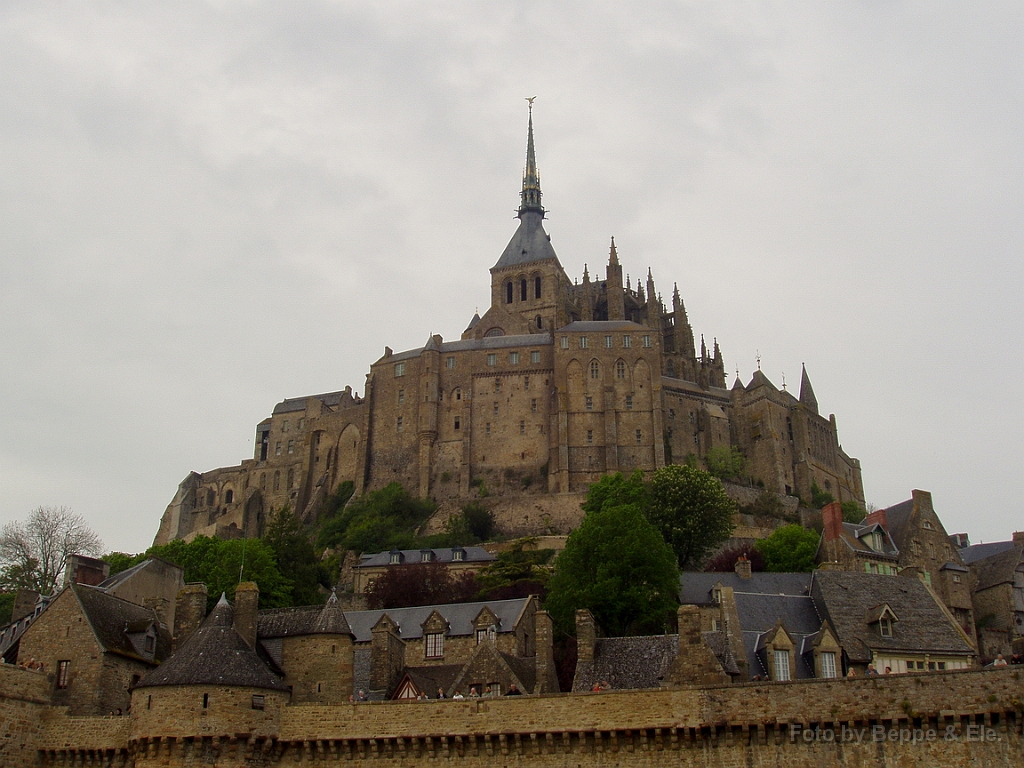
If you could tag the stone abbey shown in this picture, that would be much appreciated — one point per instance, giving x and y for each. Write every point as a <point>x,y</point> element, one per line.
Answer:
<point>558,383</point>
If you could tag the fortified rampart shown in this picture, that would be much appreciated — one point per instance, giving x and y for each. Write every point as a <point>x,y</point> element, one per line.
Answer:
<point>961,718</point>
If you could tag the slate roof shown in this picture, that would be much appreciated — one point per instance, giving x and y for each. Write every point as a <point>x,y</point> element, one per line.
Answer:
<point>411,556</point>
<point>628,662</point>
<point>458,615</point>
<point>529,244</point>
<point>303,620</point>
<point>897,519</point>
<point>695,588</point>
<point>292,404</point>
<point>998,568</point>
<point>429,679</point>
<point>112,618</point>
<point>488,342</point>
<point>602,326</point>
<point>843,599</point>
<point>215,655</point>
<point>977,552</point>
<point>758,615</point>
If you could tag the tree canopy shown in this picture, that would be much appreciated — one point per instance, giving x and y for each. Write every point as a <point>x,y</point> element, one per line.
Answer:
<point>378,521</point>
<point>617,565</point>
<point>789,549</point>
<point>34,554</point>
<point>420,584</point>
<point>692,511</point>
<point>294,554</point>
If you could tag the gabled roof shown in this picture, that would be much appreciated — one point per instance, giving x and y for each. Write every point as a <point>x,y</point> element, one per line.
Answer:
<point>843,599</point>
<point>998,568</point>
<point>440,555</point>
<point>113,619</point>
<point>327,619</point>
<point>458,615</point>
<point>695,588</point>
<point>215,655</point>
<point>977,552</point>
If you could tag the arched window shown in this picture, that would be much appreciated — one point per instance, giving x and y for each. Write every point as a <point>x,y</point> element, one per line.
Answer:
<point>508,292</point>
<point>277,480</point>
<point>536,287</point>
<point>291,477</point>
<point>540,322</point>
<point>620,370</point>
<point>211,497</point>
<point>670,368</point>
<point>491,332</point>
<point>522,289</point>
<point>595,370</point>
<point>229,496</point>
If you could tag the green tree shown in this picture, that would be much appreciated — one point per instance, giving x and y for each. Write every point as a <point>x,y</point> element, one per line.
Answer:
<point>120,561</point>
<point>377,521</point>
<point>473,525</point>
<point>516,572</point>
<point>692,511</point>
<point>852,512</point>
<point>820,498</point>
<point>617,565</point>
<point>294,554</point>
<point>725,461</point>
<point>616,490</point>
<point>221,565</point>
<point>790,549</point>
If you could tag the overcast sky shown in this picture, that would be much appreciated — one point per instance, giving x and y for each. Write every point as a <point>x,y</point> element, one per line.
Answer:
<point>208,207</point>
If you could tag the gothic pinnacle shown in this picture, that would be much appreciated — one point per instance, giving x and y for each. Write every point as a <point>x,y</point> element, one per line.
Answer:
<point>530,197</point>
<point>613,256</point>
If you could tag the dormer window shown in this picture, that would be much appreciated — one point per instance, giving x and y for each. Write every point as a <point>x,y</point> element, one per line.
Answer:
<point>926,525</point>
<point>885,626</point>
<point>426,555</point>
<point>458,555</point>
<point>394,557</point>
<point>716,596</point>
<point>150,644</point>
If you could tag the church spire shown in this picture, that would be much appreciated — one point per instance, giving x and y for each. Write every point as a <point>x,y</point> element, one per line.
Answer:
<point>530,198</point>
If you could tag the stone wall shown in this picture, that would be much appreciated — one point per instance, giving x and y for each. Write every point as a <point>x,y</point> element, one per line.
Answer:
<point>23,695</point>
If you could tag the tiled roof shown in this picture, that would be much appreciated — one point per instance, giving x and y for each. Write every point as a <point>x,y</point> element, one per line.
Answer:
<point>529,244</point>
<point>215,655</point>
<point>628,662</point>
<point>458,615</point>
<point>998,568</point>
<point>843,598</point>
<point>303,620</point>
<point>440,555</point>
<point>977,552</point>
<point>112,619</point>
<point>695,588</point>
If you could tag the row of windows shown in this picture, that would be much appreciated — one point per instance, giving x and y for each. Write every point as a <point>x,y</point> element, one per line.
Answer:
<point>639,437</point>
<point>589,404</point>
<point>277,480</point>
<point>609,341</point>
<point>523,289</point>
<point>300,425</point>
<point>513,358</point>
<point>291,447</point>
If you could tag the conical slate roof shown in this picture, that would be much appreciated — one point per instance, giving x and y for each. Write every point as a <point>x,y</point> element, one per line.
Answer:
<point>530,243</point>
<point>215,655</point>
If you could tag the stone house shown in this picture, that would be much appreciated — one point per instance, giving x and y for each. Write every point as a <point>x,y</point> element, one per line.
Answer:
<point>457,560</point>
<point>997,570</point>
<point>559,382</point>
<point>93,647</point>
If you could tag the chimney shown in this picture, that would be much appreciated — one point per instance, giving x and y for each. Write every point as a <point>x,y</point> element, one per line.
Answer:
<point>878,516</point>
<point>586,635</point>
<point>85,570</point>
<point>1018,537</point>
<point>547,678</point>
<point>24,603</point>
<point>961,540</point>
<point>832,520</point>
<point>189,612</point>
<point>247,601</point>
<point>743,567</point>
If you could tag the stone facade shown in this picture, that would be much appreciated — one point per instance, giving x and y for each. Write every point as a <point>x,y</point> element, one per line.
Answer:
<point>559,382</point>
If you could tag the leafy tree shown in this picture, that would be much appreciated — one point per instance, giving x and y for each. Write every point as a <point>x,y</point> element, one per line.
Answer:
<point>617,565</point>
<point>474,524</point>
<point>6,606</point>
<point>516,572</point>
<point>725,561</point>
<point>616,490</point>
<point>294,554</point>
<point>725,461</point>
<point>377,521</point>
<point>35,553</point>
<point>790,549</point>
<point>820,498</point>
<point>221,565</point>
<point>692,511</point>
<point>852,512</point>
<point>120,561</point>
<point>420,584</point>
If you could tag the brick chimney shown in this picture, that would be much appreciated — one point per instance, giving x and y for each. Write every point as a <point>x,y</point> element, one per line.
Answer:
<point>878,516</point>
<point>247,601</point>
<point>586,635</point>
<point>189,612</point>
<point>85,570</point>
<point>832,521</point>
<point>743,567</point>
